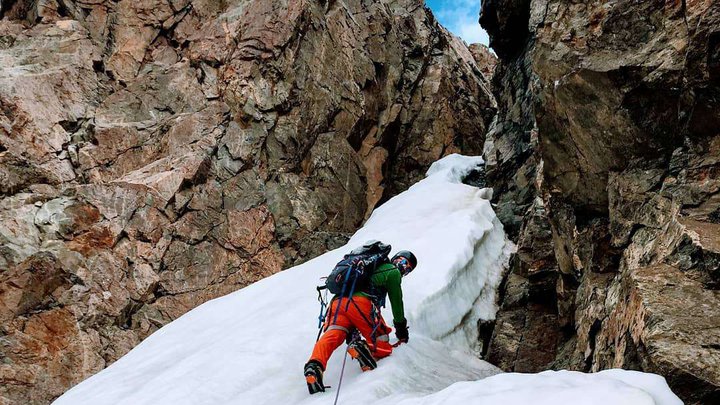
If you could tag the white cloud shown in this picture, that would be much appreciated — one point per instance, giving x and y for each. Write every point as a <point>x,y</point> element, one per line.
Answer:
<point>461,18</point>
<point>473,33</point>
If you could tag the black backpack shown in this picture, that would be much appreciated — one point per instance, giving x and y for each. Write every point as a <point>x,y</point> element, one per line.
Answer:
<point>353,272</point>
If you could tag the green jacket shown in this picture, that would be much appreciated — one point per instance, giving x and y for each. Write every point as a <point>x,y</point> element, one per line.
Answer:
<point>387,280</point>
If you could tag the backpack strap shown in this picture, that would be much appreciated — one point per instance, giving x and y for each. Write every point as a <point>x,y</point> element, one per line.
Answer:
<point>342,294</point>
<point>352,289</point>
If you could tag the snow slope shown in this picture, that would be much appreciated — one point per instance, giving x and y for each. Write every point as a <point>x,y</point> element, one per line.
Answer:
<point>249,347</point>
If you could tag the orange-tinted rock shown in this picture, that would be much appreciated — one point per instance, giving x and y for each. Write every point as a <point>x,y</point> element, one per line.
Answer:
<point>251,230</point>
<point>169,152</point>
<point>486,60</point>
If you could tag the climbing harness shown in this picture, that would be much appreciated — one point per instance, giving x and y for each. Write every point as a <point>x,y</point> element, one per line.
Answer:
<point>326,314</point>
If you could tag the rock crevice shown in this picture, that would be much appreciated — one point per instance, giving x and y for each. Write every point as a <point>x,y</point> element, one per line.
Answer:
<point>604,159</point>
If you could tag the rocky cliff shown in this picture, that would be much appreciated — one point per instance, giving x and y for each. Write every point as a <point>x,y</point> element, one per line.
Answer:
<point>605,158</point>
<point>157,154</point>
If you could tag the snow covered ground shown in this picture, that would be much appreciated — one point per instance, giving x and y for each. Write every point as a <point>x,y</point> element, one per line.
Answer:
<point>249,347</point>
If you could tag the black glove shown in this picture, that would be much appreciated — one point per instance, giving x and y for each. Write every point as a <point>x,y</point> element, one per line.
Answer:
<point>401,331</point>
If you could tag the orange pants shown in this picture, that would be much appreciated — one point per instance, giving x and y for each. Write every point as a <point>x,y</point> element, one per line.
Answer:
<point>358,315</point>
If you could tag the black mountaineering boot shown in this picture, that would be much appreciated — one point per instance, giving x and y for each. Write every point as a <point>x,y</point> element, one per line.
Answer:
<point>360,351</point>
<point>313,376</point>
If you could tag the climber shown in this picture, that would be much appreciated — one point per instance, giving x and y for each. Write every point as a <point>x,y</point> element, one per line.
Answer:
<point>360,312</point>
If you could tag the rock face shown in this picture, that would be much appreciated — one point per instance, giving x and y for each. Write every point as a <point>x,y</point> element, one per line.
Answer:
<point>605,159</point>
<point>486,60</point>
<point>157,154</point>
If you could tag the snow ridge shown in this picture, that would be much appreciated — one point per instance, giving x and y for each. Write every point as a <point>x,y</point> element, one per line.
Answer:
<point>249,347</point>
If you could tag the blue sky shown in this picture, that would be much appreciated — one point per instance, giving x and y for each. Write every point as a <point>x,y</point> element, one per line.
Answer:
<point>460,17</point>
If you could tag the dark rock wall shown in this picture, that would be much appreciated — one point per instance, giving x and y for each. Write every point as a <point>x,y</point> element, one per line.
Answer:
<point>157,154</point>
<point>605,161</point>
